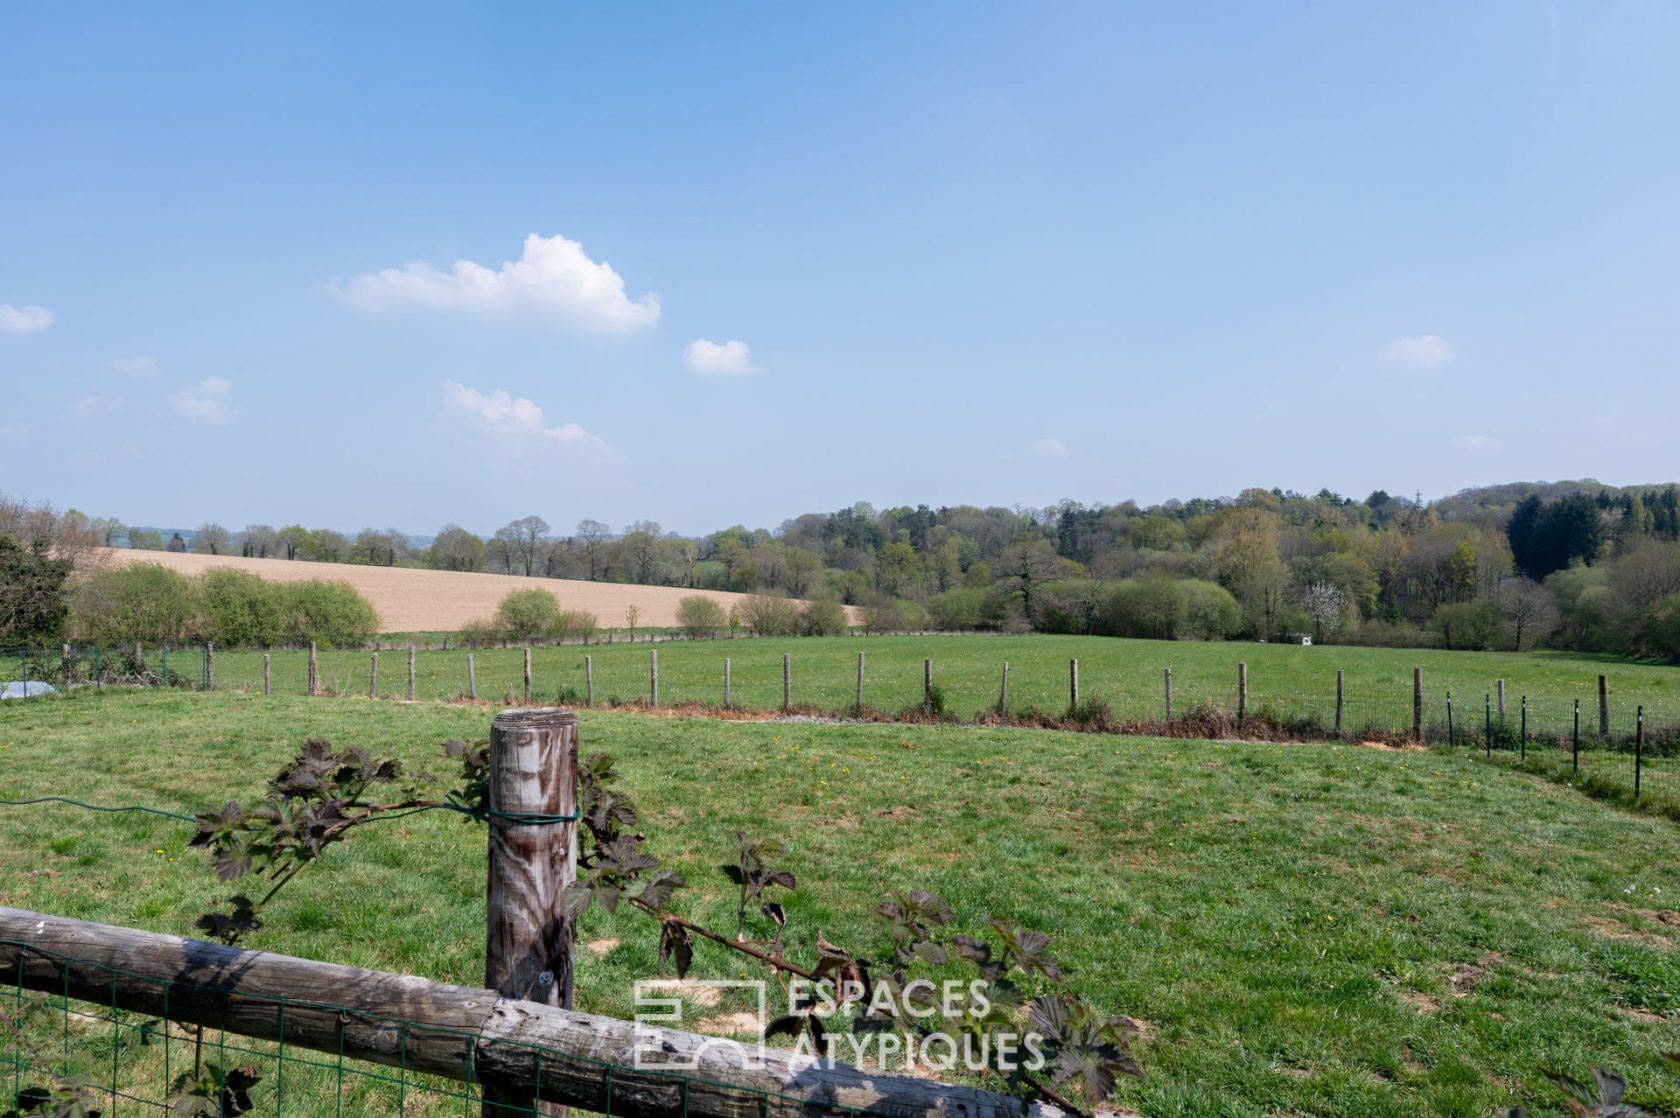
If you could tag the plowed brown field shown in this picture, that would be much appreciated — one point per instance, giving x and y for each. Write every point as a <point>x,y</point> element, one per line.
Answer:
<point>410,600</point>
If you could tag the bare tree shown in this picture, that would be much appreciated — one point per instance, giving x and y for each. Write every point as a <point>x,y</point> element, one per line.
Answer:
<point>210,539</point>
<point>1529,609</point>
<point>1325,604</point>
<point>1024,566</point>
<point>501,551</point>
<point>256,541</point>
<point>593,536</point>
<point>641,549</point>
<point>110,529</point>
<point>525,539</point>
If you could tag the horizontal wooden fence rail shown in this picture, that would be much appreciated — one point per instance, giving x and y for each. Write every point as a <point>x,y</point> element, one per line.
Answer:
<point>524,1048</point>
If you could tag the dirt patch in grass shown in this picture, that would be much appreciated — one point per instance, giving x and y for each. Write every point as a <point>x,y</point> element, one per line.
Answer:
<point>1644,1016</point>
<point>600,947</point>
<point>1467,976</point>
<point>1423,1003</point>
<point>731,1024</point>
<point>1665,916</point>
<point>1615,929</point>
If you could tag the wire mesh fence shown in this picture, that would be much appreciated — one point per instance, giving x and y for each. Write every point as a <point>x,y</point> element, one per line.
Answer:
<point>74,1045</point>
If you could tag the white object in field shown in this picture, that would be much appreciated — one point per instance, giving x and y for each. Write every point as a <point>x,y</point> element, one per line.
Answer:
<point>1306,642</point>
<point>25,690</point>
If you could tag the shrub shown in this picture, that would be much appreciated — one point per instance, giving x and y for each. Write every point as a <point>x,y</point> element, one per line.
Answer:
<point>769,615</point>
<point>700,616</point>
<point>525,615</point>
<point>825,617</point>
<point>1210,612</point>
<point>239,608</point>
<point>1069,606</point>
<point>961,608</point>
<point>136,602</point>
<point>32,605</point>
<point>1148,607</point>
<point>1470,625</point>
<point>578,624</point>
<point>331,613</point>
<point>482,633</point>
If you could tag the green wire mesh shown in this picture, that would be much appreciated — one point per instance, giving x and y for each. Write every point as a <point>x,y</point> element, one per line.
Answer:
<point>126,1061</point>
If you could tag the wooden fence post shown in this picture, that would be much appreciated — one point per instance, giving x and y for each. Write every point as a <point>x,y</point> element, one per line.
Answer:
<point>787,681</point>
<point>653,677</point>
<point>1242,693</point>
<point>527,698</point>
<point>1338,702</point>
<point>726,683</point>
<point>268,682</point>
<point>859,704</point>
<point>528,943</point>
<point>209,664</point>
<point>589,681</point>
<point>314,671</point>
<point>1500,685</point>
<point>1073,684</point>
<point>1003,691</point>
<point>411,673</point>
<point>1603,706</point>
<point>1417,704</point>
<point>472,677</point>
<point>1167,679</point>
<point>927,686</point>
<point>373,678</point>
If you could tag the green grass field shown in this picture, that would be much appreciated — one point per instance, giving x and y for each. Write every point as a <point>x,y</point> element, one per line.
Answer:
<point>1127,674</point>
<point>1305,929</point>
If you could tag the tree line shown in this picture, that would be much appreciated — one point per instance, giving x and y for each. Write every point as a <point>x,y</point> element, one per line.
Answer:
<point>1577,565</point>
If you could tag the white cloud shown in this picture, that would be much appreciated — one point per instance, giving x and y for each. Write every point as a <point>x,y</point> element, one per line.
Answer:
<point>14,431</point>
<point>1050,448</point>
<point>1478,442</point>
<point>24,320</point>
<point>1425,351</point>
<point>552,277</point>
<point>137,366</point>
<point>90,405</point>
<point>501,411</point>
<point>731,359</point>
<point>206,401</point>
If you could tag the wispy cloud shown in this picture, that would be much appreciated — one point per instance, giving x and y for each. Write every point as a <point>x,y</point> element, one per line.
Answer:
<point>502,411</point>
<point>13,431</point>
<point>1478,442</point>
<point>137,366</point>
<point>208,401</point>
<point>86,407</point>
<point>1424,351</point>
<point>24,320</point>
<point>711,359</point>
<point>1050,449</point>
<point>553,278</point>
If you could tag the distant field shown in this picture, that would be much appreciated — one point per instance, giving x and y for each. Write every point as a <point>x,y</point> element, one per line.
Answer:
<point>1127,674</point>
<point>1324,930</point>
<point>412,601</point>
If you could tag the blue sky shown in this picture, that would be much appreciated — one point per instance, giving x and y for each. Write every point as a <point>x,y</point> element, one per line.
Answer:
<point>987,253</point>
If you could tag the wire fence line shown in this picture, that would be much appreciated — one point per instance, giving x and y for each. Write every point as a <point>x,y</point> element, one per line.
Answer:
<point>760,679</point>
<point>1632,746</point>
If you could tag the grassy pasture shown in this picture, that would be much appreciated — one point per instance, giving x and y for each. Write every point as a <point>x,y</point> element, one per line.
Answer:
<point>1125,673</point>
<point>1305,929</point>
